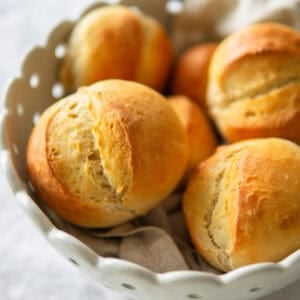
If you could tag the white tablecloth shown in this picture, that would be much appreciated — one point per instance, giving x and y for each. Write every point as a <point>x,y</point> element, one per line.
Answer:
<point>29,268</point>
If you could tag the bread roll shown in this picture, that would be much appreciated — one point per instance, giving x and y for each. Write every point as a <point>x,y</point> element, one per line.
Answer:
<point>202,141</point>
<point>254,86</point>
<point>117,42</point>
<point>190,72</point>
<point>107,154</point>
<point>242,205</point>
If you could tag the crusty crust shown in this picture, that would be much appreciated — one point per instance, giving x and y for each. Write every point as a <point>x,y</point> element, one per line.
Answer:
<point>274,114</point>
<point>243,202</point>
<point>116,42</point>
<point>117,163</point>
<point>257,39</point>
<point>53,191</point>
<point>254,78</point>
<point>267,223</point>
<point>156,139</point>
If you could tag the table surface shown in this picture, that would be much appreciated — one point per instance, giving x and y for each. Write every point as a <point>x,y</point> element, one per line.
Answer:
<point>30,268</point>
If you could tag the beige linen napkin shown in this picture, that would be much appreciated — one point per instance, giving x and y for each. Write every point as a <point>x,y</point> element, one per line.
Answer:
<point>212,20</point>
<point>158,241</point>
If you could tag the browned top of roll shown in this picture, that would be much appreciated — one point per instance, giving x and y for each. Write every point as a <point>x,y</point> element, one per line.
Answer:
<point>260,38</point>
<point>115,42</point>
<point>254,81</point>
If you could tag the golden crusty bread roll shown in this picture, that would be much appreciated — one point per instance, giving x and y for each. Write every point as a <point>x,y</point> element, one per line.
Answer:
<point>117,42</point>
<point>107,154</point>
<point>190,72</point>
<point>202,141</point>
<point>242,205</point>
<point>254,83</point>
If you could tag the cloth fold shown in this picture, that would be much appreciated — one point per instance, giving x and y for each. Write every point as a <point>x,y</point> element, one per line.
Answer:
<point>158,241</point>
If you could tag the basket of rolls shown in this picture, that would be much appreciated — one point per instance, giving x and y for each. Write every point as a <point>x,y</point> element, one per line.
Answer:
<point>156,146</point>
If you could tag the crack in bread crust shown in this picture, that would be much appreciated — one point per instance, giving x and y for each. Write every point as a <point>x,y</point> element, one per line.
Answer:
<point>225,103</point>
<point>118,198</point>
<point>120,190</point>
<point>215,199</point>
<point>222,255</point>
<point>74,157</point>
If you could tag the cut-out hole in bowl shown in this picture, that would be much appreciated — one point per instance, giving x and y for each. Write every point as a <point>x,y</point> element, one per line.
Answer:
<point>36,118</point>
<point>58,90</point>
<point>128,286</point>
<point>60,51</point>
<point>20,109</point>
<point>194,296</point>
<point>112,2</point>
<point>135,8</point>
<point>256,288</point>
<point>174,7</point>
<point>34,80</point>
<point>15,149</point>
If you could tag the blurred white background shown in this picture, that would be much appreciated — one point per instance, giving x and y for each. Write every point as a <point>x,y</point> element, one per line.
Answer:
<point>29,268</point>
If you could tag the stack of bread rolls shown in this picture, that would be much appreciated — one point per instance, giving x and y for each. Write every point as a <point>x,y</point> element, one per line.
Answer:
<point>115,148</point>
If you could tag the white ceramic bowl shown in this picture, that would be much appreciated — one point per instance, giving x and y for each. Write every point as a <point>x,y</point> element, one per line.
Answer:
<point>27,96</point>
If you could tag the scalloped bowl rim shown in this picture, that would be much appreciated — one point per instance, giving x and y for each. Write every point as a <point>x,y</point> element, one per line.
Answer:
<point>51,232</point>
